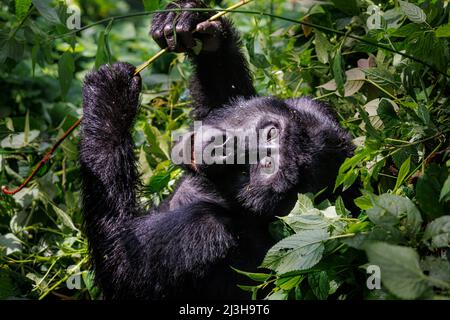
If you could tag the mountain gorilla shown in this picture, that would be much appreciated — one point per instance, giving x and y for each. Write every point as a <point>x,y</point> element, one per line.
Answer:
<point>219,214</point>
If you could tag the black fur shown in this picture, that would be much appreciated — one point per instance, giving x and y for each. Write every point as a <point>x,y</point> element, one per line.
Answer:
<point>218,216</point>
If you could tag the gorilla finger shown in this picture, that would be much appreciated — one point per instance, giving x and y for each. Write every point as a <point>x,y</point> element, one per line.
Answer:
<point>184,28</point>
<point>171,39</point>
<point>209,27</point>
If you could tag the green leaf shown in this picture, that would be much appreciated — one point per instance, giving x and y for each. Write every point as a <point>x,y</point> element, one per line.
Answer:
<point>22,7</point>
<point>323,47</point>
<point>8,287</point>
<point>400,269</point>
<point>428,190</point>
<point>10,243</point>
<point>102,56</point>
<point>445,192</point>
<point>403,172</point>
<point>437,233</point>
<point>407,30</point>
<point>443,31</point>
<point>303,205</point>
<point>340,207</point>
<point>413,12</point>
<point>349,7</point>
<point>288,283</point>
<point>259,277</point>
<point>338,73</point>
<point>63,216</point>
<point>17,141</point>
<point>47,11</point>
<point>363,202</point>
<point>438,269</point>
<point>66,69</point>
<point>298,252</point>
<point>390,210</point>
<point>319,284</point>
<point>151,5</point>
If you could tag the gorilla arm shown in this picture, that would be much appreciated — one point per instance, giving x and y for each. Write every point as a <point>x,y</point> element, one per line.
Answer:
<point>149,256</point>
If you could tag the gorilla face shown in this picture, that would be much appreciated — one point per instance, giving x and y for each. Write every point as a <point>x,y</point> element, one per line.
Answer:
<point>262,152</point>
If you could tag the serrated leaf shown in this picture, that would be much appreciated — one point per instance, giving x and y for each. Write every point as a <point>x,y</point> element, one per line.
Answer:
<point>319,284</point>
<point>437,233</point>
<point>400,269</point>
<point>298,252</point>
<point>22,7</point>
<point>303,205</point>
<point>413,12</point>
<point>439,269</point>
<point>389,210</point>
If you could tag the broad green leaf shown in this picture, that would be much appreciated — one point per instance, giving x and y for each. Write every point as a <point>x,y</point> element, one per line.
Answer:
<point>428,190</point>
<point>443,31</point>
<point>363,202</point>
<point>22,7</point>
<point>298,252</point>
<point>47,11</point>
<point>151,5</point>
<point>303,205</point>
<point>298,223</point>
<point>63,216</point>
<point>8,287</point>
<point>319,284</point>
<point>17,141</point>
<point>402,173</point>
<point>445,192</point>
<point>438,269</point>
<point>437,233</point>
<point>400,269</point>
<point>10,243</point>
<point>413,12</point>
<point>390,210</point>
<point>66,69</point>
<point>407,30</point>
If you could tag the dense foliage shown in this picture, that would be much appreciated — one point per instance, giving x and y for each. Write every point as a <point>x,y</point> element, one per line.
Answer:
<point>384,69</point>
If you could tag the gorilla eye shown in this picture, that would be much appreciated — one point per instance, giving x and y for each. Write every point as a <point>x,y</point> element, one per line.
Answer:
<point>272,134</point>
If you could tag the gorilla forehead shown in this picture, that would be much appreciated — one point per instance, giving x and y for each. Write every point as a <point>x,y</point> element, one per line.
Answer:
<point>249,113</point>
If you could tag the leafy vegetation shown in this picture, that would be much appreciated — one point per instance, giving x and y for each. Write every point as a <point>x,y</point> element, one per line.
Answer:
<point>384,68</point>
